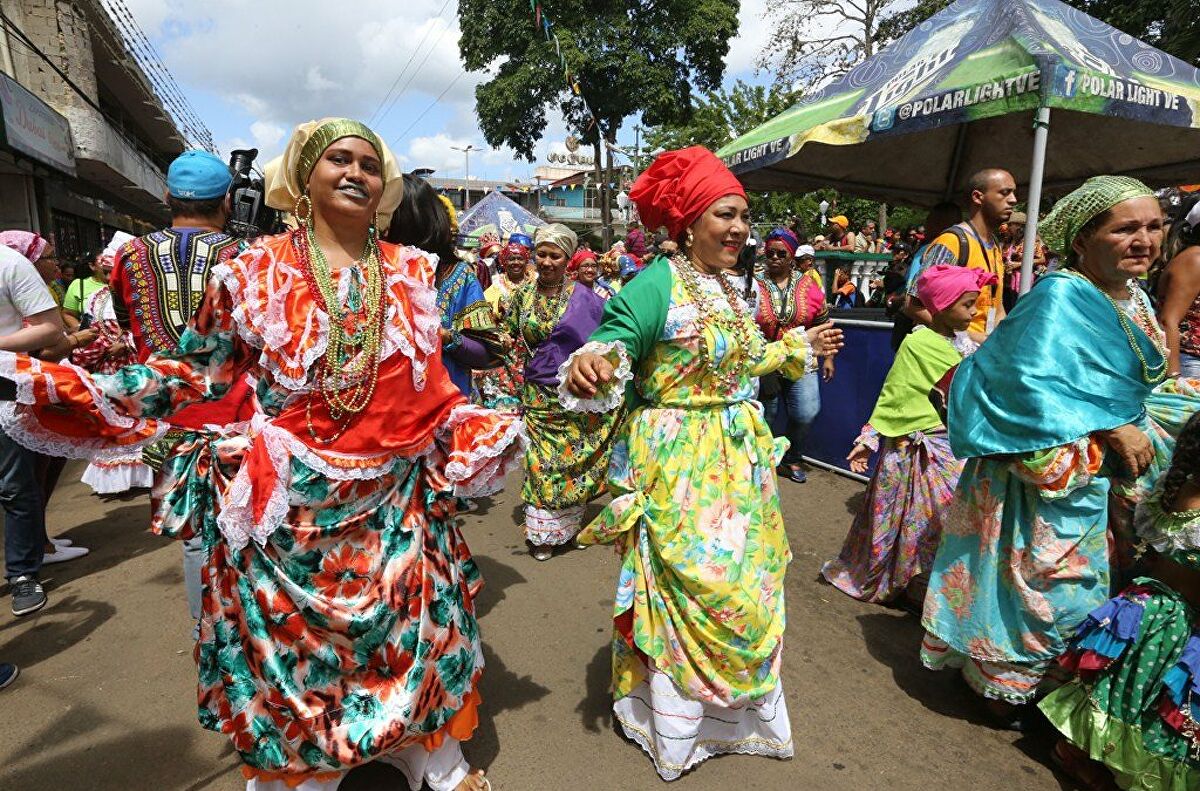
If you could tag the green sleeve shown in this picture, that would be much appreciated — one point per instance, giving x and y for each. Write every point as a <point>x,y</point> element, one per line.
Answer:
<point>637,314</point>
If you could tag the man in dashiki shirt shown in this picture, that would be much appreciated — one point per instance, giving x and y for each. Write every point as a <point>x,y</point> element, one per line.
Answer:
<point>157,284</point>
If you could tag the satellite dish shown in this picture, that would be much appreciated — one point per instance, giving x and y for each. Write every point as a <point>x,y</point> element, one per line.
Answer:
<point>572,143</point>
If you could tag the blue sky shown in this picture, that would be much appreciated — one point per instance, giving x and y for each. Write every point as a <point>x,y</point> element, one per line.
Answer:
<point>253,69</point>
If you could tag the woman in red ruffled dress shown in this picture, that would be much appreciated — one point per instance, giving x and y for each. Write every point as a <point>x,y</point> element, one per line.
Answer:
<point>338,619</point>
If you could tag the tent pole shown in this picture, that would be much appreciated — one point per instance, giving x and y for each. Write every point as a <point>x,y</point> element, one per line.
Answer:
<point>1041,131</point>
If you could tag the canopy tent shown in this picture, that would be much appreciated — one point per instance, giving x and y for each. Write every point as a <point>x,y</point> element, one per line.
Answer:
<point>496,213</point>
<point>972,87</point>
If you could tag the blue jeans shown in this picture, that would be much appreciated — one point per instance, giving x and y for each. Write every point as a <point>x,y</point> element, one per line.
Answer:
<point>24,511</point>
<point>792,413</point>
<point>1189,366</point>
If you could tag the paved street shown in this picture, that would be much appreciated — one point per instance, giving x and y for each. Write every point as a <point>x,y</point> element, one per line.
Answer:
<point>106,694</point>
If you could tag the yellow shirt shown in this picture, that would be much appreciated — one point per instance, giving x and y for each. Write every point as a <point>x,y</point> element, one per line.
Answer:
<point>989,258</point>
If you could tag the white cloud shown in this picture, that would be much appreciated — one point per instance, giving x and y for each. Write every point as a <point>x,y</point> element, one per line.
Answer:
<point>755,29</point>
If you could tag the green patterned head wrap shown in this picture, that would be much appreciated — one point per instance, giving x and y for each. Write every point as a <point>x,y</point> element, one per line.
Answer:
<point>1097,195</point>
<point>324,136</point>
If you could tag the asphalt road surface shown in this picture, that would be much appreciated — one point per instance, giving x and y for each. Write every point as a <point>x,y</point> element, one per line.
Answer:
<point>106,697</point>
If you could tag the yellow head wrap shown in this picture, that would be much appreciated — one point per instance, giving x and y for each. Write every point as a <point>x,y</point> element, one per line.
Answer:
<point>287,175</point>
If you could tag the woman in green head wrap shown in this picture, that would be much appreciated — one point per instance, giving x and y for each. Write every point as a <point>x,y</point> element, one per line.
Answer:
<point>1050,414</point>
<point>338,623</point>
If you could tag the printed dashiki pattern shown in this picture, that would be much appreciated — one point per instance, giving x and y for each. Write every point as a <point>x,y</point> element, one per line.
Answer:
<point>568,451</point>
<point>462,307</point>
<point>699,611</point>
<point>160,279</point>
<point>338,619</point>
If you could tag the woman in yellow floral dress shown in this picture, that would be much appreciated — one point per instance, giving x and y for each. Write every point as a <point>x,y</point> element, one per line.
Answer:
<point>699,615</point>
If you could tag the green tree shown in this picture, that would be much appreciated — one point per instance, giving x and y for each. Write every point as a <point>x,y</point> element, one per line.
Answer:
<point>721,115</point>
<point>627,57</point>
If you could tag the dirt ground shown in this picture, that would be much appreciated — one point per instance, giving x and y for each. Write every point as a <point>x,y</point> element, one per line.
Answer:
<point>106,697</point>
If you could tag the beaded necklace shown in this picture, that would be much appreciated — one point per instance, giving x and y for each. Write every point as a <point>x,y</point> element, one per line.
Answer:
<point>548,309</point>
<point>741,326</point>
<point>1143,321</point>
<point>348,372</point>
<point>782,305</point>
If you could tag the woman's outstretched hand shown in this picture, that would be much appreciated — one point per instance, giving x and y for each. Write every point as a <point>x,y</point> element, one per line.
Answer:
<point>587,373</point>
<point>825,339</point>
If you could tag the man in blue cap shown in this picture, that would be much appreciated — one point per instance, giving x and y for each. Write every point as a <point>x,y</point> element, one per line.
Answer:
<point>158,283</point>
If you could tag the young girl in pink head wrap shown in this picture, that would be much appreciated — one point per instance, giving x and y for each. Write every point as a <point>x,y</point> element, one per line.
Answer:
<point>895,536</point>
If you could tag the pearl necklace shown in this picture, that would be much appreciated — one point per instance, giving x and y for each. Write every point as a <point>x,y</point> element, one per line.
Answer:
<point>742,326</point>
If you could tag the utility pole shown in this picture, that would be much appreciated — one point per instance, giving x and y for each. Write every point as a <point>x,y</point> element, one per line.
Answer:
<point>467,149</point>
<point>637,150</point>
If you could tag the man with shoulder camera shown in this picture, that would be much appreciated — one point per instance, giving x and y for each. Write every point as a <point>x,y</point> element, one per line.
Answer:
<point>158,283</point>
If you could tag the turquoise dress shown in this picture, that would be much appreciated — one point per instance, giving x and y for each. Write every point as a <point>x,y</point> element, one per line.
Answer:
<point>1024,555</point>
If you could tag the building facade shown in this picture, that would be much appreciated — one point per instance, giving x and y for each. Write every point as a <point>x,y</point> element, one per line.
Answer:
<point>86,139</point>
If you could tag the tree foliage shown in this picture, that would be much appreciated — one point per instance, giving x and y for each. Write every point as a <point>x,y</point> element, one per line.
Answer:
<point>628,56</point>
<point>721,115</point>
<point>804,52</point>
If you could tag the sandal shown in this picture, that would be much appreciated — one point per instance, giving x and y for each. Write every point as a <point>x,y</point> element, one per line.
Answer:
<point>541,552</point>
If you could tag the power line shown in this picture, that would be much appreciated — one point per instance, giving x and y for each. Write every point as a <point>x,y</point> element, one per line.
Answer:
<point>396,82</point>
<point>163,81</point>
<point>33,49</point>
<point>432,104</point>
<point>416,71</point>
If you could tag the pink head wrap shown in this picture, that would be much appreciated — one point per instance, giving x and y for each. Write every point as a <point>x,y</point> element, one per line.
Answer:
<point>26,243</point>
<point>940,286</point>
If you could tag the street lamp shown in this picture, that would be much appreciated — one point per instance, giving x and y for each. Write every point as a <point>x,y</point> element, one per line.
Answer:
<point>467,149</point>
<point>823,206</point>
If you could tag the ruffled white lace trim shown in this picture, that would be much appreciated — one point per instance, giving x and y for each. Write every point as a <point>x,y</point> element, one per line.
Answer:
<point>482,471</point>
<point>1165,532</point>
<point>24,427</point>
<point>551,527</point>
<point>266,326</point>
<point>609,396</point>
<point>118,476</point>
<point>236,520</point>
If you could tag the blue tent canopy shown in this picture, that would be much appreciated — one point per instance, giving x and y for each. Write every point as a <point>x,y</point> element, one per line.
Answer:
<point>498,214</point>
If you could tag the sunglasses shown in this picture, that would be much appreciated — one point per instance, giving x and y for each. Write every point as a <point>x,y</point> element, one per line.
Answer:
<point>776,254</point>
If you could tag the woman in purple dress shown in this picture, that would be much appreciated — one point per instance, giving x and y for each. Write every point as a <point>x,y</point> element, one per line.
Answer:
<point>567,457</point>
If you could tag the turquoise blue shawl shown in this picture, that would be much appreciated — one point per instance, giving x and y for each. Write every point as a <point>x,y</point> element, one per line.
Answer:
<point>1057,369</point>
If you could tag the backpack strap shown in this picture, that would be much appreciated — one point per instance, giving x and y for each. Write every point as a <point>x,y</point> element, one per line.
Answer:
<point>964,245</point>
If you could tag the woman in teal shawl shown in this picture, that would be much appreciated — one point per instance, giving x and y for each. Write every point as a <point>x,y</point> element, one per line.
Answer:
<point>1051,415</point>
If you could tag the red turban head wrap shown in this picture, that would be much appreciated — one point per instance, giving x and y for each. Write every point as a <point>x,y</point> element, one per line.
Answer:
<point>579,257</point>
<point>676,189</point>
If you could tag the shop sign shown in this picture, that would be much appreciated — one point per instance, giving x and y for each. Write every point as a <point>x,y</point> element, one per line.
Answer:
<point>33,128</point>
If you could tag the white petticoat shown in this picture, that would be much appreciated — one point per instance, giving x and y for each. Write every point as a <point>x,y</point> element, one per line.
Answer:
<point>552,526</point>
<point>678,733</point>
<point>118,475</point>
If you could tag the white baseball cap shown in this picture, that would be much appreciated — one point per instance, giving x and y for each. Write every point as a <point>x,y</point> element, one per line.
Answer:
<point>805,249</point>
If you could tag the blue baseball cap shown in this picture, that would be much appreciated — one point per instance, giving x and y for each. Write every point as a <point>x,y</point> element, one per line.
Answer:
<point>198,175</point>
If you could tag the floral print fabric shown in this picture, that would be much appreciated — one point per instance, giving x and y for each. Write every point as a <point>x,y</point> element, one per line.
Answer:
<point>895,535</point>
<point>695,512</point>
<point>338,622</point>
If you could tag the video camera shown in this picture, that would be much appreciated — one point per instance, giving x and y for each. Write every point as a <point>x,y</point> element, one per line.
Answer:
<point>249,215</point>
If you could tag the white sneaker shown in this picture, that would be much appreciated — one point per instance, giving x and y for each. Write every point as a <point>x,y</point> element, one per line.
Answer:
<point>63,554</point>
<point>61,542</point>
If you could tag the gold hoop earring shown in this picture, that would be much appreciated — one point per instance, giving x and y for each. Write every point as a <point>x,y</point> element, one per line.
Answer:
<point>306,202</point>
<point>690,238</point>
